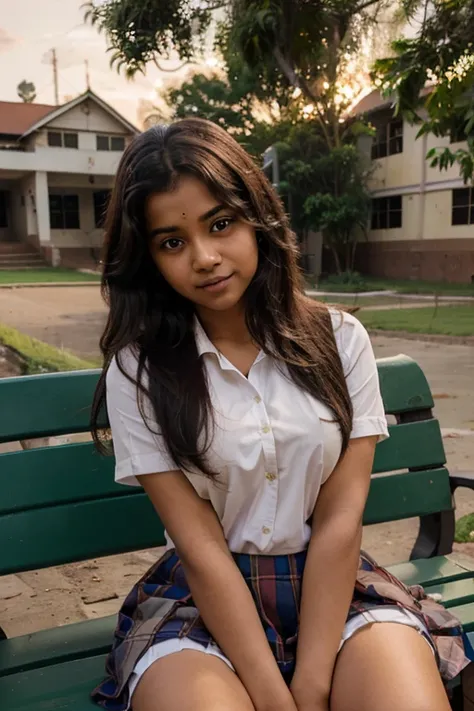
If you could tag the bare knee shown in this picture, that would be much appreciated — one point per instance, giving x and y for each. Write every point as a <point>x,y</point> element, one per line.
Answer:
<point>387,667</point>
<point>190,681</point>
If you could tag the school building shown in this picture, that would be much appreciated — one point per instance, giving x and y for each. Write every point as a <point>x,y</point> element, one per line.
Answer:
<point>57,166</point>
<point>422,222</point>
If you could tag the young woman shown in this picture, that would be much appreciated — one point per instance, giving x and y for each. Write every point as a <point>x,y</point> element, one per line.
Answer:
<point>250,415</point>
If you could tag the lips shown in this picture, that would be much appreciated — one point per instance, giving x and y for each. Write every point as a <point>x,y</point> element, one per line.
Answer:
<point>213,282</point>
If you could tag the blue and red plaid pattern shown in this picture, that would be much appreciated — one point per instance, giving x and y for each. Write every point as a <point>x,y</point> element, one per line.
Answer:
<point>160,607</point>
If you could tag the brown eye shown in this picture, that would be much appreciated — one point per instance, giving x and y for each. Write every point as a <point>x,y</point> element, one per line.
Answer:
<point>171,244</point>
<point>221,224</point>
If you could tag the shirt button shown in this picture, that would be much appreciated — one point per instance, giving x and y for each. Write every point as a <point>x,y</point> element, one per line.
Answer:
<point>258,399</point>
<point>266,429</point>
<point>270,476</point>
<point>266,530</point>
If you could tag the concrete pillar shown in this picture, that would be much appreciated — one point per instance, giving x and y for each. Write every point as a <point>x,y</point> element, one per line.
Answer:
<point>42,207</point>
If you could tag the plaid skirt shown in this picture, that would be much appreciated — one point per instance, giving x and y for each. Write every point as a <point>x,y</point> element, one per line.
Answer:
<point>160,607</point>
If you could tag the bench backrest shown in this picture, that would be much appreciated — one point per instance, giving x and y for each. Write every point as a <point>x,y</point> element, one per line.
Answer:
<point>60,503</point>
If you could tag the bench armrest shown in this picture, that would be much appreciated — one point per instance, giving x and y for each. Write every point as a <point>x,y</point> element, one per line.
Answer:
<point>461,479</point>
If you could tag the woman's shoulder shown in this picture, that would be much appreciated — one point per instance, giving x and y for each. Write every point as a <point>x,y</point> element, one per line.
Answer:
<point>349,333</point>
<point>123,366</point>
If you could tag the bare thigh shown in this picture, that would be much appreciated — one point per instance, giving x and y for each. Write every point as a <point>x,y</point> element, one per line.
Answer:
<point>387,667</point>
<point>190,681</point>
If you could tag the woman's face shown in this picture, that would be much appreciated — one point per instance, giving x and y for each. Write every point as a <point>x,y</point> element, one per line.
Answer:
<point>203,249</point>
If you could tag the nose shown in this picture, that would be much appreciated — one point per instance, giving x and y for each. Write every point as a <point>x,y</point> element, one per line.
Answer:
<point>205,255</point>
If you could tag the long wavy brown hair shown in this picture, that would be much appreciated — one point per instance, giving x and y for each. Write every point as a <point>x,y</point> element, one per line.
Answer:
<point>145,313</point>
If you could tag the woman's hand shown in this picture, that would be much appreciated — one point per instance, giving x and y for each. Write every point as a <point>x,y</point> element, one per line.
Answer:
<point>308,696</point>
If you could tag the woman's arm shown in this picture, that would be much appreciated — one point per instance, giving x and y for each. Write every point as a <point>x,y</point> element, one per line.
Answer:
<point>330,573</point>
<point>218,588</point>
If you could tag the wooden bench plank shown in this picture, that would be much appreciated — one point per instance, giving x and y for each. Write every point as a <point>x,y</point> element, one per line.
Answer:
<point>43,405</point>
<point>41,538</point>
<point>61,687</point>
<point>414,445</point>
<point>57,645</point>
<point>400,496</point>
<point>430,571</point>
<point>465,613</point>
<point>63,474</point>
<point>403,384</point>
<point>456,592</point>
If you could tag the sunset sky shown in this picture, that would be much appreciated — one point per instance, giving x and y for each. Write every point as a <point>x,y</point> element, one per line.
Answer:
<point>28,31</point>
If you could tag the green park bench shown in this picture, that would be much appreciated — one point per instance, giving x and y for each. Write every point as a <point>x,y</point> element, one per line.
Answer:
<point>60,504</point>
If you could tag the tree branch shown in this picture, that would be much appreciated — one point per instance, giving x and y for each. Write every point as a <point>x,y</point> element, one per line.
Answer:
<point>363,6</point>
<point>175,69</point>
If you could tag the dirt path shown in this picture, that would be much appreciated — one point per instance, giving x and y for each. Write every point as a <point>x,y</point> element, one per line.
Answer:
<point>73,317</point>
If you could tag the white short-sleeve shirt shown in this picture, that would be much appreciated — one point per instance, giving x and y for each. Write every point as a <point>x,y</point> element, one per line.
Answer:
<point>274,445</point>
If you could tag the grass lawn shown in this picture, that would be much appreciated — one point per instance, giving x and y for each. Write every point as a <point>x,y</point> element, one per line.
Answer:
<point>41,357</point>
<point>447,320</point>
<point>44,275</point>
<point>403,287</point>
<point>465,529</point>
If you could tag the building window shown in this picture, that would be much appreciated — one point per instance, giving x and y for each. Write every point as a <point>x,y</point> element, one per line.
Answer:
<point>71,140</point>
<point>64,212</point>
<point>60,139</point>
<point>3,209</point>
<point>463,207</point>
<point>388,139</point>
<point>101,201</point>
<point>386,213</point>
<point>110,143</point>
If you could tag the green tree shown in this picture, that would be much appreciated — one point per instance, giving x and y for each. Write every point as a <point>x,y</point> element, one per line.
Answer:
<point>440,56</point>
<point>26,90</point>
<point>303,46</point>
<point>297,63</point>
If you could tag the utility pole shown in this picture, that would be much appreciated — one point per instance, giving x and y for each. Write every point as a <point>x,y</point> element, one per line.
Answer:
<point>55,77</point>
<point>88,78</point>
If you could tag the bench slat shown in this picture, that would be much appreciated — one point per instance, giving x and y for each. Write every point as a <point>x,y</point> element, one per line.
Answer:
<point>56,475</point>
<point>398,496</point>
<point>429,571</point>
<point>44,537</point>
<point>415,445</point>
<point>75,472</point>
<point>457,592</point>
<point>42,405</point>
<point>62,687</point>
<point>403,384</point>
<point>465,614</point>
<point>57,645</point>
<point>35,537</point>
<point>59,403</point>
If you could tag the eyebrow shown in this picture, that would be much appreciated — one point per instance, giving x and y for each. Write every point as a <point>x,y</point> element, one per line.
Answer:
<point>207,216</point>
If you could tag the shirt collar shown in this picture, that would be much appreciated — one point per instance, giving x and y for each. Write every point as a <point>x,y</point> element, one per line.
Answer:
<point>204,345</point>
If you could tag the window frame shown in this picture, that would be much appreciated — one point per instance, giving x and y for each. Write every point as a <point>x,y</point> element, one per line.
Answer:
<point>466,207</point>
<point>62,139</point>
<point>387,213</point>
<point>388,141</point>
<point>69,218</point>
<point>109,138</point>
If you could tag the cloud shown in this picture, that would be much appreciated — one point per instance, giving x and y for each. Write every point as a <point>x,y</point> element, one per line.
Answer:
<point>6,40</point>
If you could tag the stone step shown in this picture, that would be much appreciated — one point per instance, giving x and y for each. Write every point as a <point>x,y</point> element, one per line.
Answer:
<point>16,248</point>
<point>20,257</point>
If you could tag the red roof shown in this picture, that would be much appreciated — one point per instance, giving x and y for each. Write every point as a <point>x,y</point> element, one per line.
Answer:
<point>16,117</point>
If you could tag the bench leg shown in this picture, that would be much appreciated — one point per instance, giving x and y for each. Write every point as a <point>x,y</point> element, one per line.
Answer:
<point>435,535</point>
<point>2,634</point>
